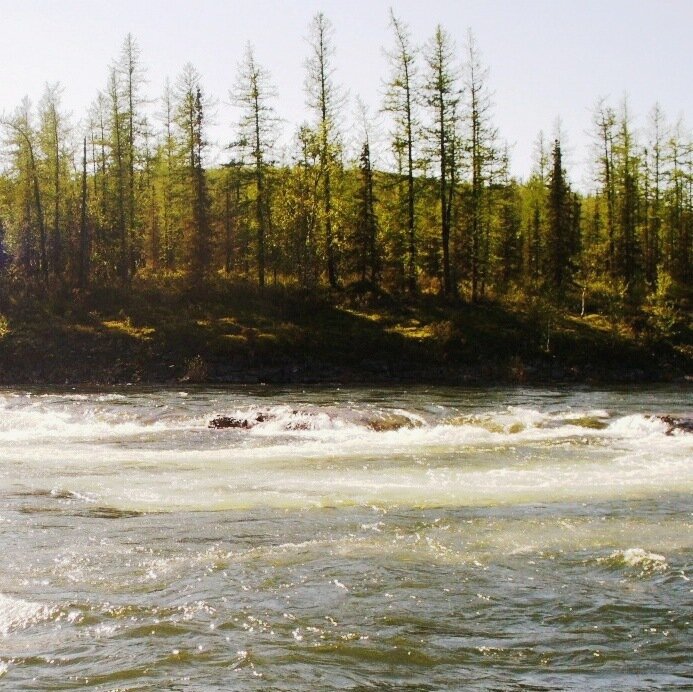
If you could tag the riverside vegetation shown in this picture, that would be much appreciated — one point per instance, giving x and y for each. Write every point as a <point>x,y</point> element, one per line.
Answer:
<point>125,256</point>
<point>158,332</point>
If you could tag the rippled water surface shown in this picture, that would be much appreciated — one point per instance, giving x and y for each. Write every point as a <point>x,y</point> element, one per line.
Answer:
<point>345,539</point>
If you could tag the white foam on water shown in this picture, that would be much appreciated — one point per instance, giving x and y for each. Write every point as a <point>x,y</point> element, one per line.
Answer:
<point>638,557</point>
<point>16,613</point>
<point>315,481</point>
<point>646,563</point>
<point>76,417</point>
<point>33,425</point>
<point>305,455</point>
<point>598,413</point>
<point>638,425</point>
<point>377,430</point>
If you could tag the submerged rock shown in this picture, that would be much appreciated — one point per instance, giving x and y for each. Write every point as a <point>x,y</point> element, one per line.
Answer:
<point>228,422</point>
<point>390,422</point>
<point>221,422</point>
<point>677,423</point>
<point>592,422</point>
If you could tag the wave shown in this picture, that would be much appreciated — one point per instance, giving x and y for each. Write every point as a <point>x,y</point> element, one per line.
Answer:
<point>351,428</point>
<point>638,559</point>
<point>95,416</point>
<point>513,422</point>
<point>44,420</point>
<point>16,613</point>
<point>81,417</point>
<point>639,425</point>
<point>159,453</point>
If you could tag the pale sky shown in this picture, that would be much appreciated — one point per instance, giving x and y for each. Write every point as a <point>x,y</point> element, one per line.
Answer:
<point>548,59</point>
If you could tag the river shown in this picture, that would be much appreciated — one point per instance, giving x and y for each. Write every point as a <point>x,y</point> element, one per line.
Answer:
<point>345,539</point>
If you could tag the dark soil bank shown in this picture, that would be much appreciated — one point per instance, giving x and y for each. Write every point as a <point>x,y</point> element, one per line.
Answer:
<point>235,335</point>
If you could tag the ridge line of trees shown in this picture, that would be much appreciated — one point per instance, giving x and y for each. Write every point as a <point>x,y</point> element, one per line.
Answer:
<point>128,193</point>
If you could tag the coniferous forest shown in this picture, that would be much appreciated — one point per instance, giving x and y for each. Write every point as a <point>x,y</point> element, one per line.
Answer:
<point>125,254</point>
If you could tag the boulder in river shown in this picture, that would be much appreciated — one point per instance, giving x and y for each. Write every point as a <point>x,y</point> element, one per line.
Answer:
<point>221,422</point>
<point>677,423</point>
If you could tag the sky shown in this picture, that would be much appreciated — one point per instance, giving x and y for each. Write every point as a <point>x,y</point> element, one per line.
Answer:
<point>548,59</point>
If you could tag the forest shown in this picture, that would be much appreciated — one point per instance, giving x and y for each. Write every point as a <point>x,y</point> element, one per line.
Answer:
<point>113,224</point>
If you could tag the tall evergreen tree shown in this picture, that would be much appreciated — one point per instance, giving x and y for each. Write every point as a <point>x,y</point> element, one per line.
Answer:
<point>679,232</point>
<point>84,253</point>
<point>365,237</point>
<point>167,164</point>
<point>118,173</point>
<point>508,252</point>
<point>628,247</point>
<point>559,243</point>
<point>654,180</point>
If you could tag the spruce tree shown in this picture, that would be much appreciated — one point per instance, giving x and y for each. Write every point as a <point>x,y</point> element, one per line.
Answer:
<point>560,228</point>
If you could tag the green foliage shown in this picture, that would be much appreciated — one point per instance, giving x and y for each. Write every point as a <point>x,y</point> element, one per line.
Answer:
<point>128,218</point>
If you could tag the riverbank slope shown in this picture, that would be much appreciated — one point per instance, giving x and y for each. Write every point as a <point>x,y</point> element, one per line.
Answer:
<point>232,333</point>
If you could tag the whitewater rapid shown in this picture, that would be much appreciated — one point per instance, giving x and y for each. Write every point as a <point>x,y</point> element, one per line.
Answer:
<point>132,454</point>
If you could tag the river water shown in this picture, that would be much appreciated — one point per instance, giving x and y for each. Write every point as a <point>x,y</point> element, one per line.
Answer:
<point>429,539</point>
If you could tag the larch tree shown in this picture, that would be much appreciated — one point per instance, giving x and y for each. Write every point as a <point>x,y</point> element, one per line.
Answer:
<point>190,120</point>
<point>535,217</point>
<point>130,82</point>
<point>442,96</point>
<point>23,142</point>
<point>480,136</point>
<point>508,240</point>
<point>253,94</point>
<point>367,222</point>
<point>300,205</point>
<point>52,135</point>
<point>99,199</point>
<point>400,102</point>
<point>654,180</point>
<point>118,173</point>
<point>84,245</point>
<point>166,160</point>
<point>604,121</point>
<point>627,168</point>
<point>365,246</point>
<point>324,99</point>
<point>679,232</point>
<point>150,233</point>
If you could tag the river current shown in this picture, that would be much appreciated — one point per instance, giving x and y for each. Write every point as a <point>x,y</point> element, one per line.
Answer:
<point>346,539</point>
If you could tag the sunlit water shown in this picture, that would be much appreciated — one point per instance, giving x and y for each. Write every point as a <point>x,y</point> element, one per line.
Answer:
<point>346,539</point>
